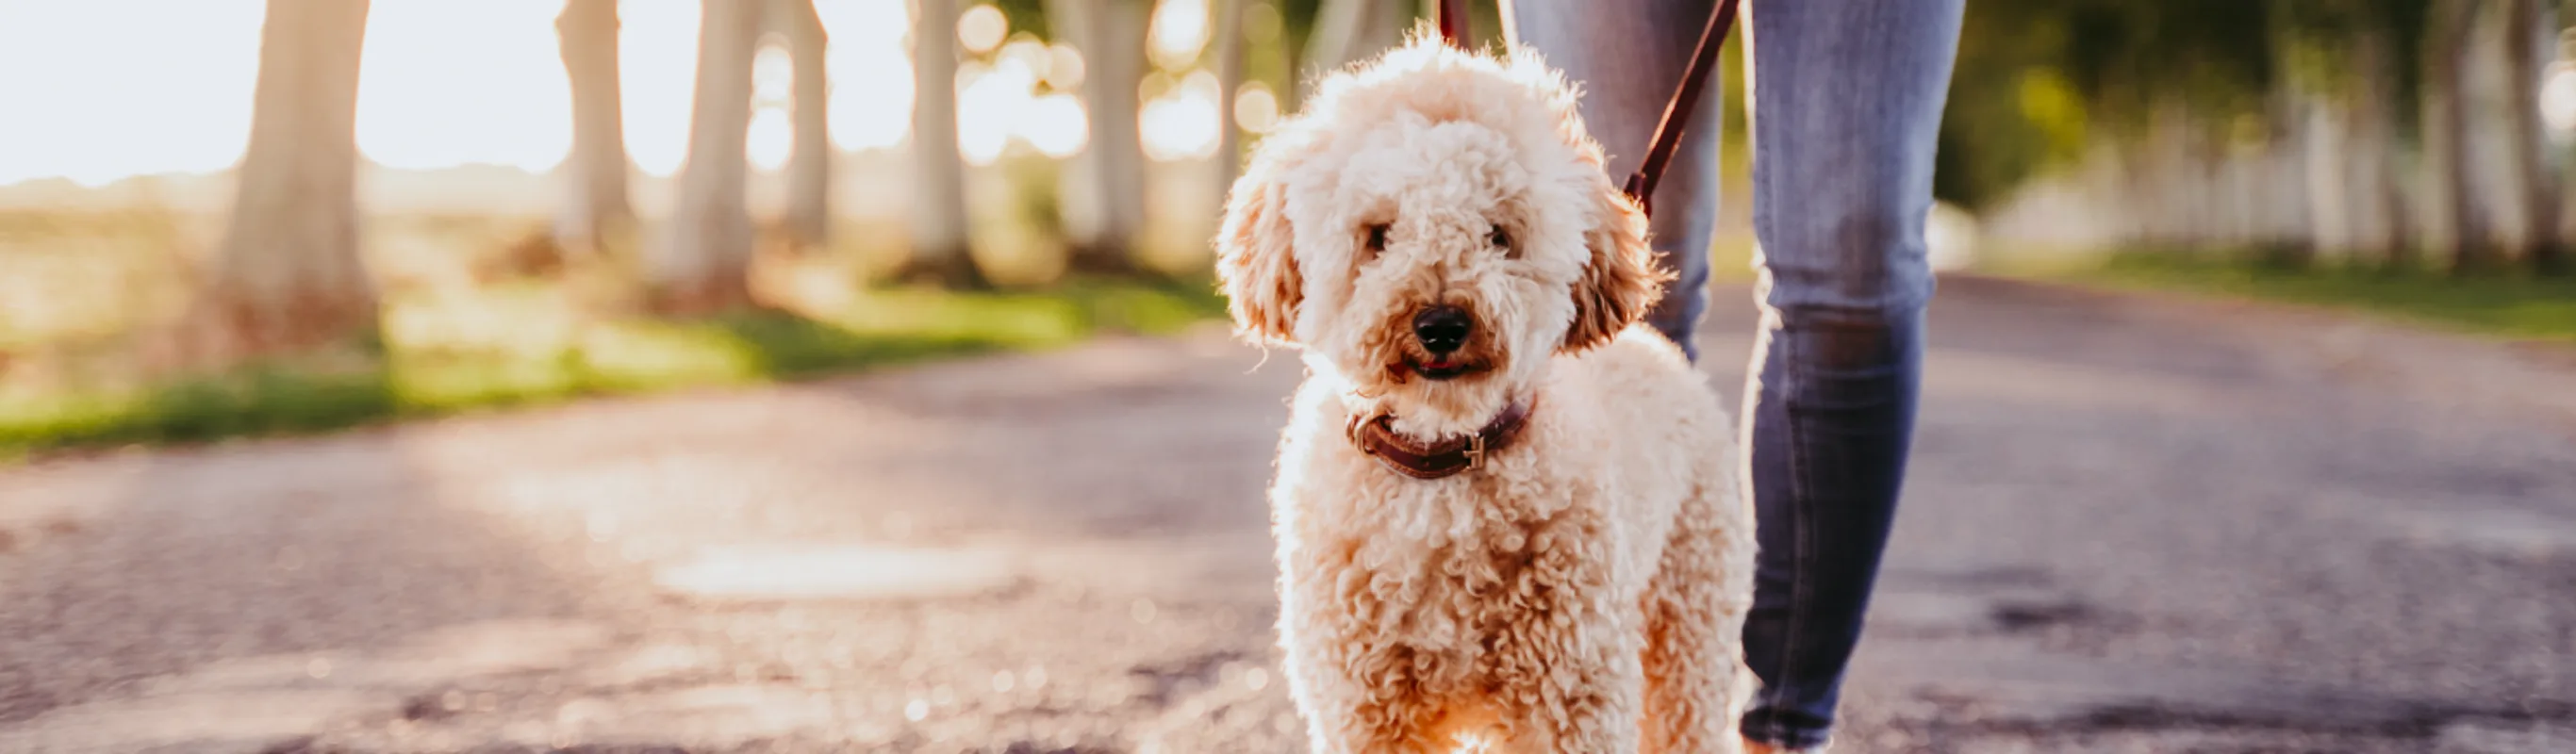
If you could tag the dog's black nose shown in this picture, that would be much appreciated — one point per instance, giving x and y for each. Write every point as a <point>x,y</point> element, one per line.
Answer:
<point>1442,328</point>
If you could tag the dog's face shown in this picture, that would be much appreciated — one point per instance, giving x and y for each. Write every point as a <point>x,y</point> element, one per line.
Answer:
<point>1431,229</point>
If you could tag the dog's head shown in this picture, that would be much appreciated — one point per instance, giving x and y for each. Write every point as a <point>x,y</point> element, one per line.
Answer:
<point>1432,228</point>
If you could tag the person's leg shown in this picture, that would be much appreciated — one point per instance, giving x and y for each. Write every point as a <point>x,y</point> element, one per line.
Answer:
<point>1628,55</point>
<point>1847,100</point>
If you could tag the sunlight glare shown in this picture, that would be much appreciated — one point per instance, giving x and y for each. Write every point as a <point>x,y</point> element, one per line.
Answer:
<point>773,129</point>
<point>111,103</point>
<point>422,105</point>
<point>1031,53</point>
<point>1183,124</point>
<point>1064,68</point>
<point>1180,30</point>
<point>988,103</point>
<point>773,74</point>
<point>1056,125</point>
<point>2558,98</point>
<point>773,138</point>
<point>982,28</point>
<point>1255,108</point>
<point>870,69</point>
<point>657,59</point>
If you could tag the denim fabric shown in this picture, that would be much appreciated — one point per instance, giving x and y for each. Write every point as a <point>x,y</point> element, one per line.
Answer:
<point>1846,103</point>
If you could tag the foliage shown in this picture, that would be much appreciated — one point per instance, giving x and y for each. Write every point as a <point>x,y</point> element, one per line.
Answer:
<point>2037,79</point>
<point>2518,306</point>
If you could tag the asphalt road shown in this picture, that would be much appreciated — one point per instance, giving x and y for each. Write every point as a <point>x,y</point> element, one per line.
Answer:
<point>2134,524</point>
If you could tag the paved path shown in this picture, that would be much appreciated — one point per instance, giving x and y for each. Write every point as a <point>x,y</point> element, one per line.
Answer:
<point>2134,525</point>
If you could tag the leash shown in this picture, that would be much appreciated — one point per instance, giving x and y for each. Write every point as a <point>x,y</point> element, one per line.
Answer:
<point>1668,130</point>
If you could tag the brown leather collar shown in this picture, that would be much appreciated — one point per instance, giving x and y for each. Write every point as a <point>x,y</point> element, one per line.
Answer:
<point>1375,436</point>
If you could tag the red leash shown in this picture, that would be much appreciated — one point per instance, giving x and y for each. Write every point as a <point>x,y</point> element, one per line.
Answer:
<point>1668,131</point>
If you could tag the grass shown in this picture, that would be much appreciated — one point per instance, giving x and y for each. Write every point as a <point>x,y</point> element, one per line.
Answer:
<point>517,346</point>
<point>2504,305</point>
<point>82,289</point>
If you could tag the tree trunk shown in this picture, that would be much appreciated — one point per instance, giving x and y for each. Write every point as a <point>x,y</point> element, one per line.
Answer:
<point>288,273</point>
<point>2331,179</point>
<point>1110,172</point>
<point>809,167</point>
<point>704,260</point>
<point>595,205</point>
<point>1229,78</point>
<point>1350,30</point>
<point>2532,40</point>
<point>939,231</point>
<point>2378,209</point>
<point>2288,232</point>
<point>2447,104</point>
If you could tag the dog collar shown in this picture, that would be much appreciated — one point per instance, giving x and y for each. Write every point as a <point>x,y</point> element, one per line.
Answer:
<point>1375,436</point>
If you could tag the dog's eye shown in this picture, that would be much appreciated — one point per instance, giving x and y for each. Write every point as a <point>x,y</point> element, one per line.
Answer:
<point>1501,239</point>
<point>1376,238</point>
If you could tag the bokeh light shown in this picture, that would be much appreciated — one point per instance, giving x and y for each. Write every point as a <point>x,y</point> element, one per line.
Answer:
<point>1182,124</point>
<point>1255,108</point>
<point>1262,24</point>
<point>982,28</point>
<point>870,70</point>
<point>1180,29</point>
<point>2558,99</point>
<point>1064,67</point>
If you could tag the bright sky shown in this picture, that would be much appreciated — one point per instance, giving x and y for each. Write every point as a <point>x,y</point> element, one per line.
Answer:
<point>150,86</point>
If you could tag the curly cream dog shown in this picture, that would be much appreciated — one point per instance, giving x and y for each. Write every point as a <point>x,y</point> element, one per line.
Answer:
<point>1437,235</point>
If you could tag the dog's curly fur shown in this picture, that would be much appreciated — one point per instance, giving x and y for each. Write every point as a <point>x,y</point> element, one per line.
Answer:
<point>1584,589</point>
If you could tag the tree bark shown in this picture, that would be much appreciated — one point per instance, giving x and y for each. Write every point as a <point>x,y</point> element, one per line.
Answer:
<point>939,229</point>
<point>595,203</point>
<point>809,167</point>
<point>2532,40</point>
<point>1111,169</point>
<point>704,260</point>
<point>288,273</point>
<point>2447,105</point>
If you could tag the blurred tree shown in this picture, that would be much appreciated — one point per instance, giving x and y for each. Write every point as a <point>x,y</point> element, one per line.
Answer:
<point>939,230</point>
<point>595,205</point>
<point>2376,80</point>
<point>2453,37</point>
<point>1228,42</point>
<point>704,260</point>
<point>2289,153</point>
<point>288,273</point>
<point>1350,30</point>
<point>2533,42</point>
<point>809,167</point>
<point>1110,172</point>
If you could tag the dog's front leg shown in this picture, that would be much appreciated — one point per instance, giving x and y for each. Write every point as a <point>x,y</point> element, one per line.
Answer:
<point>1361,687</point>
<point>1566,660</point>
<point>1367,700</point>
<point>1694,620</point>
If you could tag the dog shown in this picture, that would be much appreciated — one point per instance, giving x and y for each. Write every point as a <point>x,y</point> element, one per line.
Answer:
<point>1507,514</point>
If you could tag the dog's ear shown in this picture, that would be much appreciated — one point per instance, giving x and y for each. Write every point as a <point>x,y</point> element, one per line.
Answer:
<point>1253,263</point>
<point>1619,281</point>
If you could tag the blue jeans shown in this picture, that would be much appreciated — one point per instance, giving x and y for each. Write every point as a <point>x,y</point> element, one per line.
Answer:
<point>1847,100</point>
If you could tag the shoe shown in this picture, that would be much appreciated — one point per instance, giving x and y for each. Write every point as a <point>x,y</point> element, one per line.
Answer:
<point>1756,747</point>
